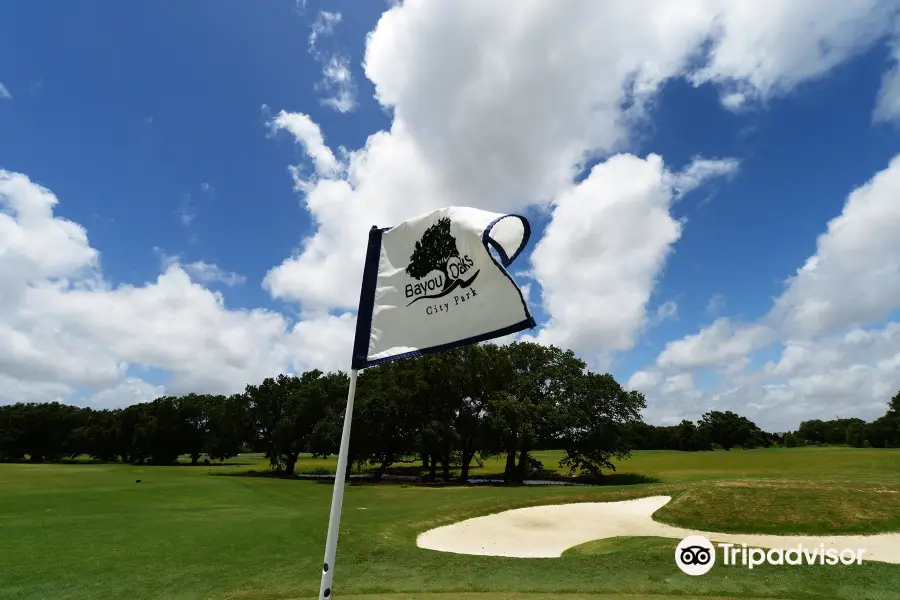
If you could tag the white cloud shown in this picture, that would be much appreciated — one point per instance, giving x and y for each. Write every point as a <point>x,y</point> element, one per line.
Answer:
<point>336,75</point>
<point>678,384</point>
<point>828,363</point>
<point>761,50</point>
<point>62,326</point>
<point>718,344</point>
<point>887,106</point>
<point>384,184</point>
<point>716,304</point>
<point>733,101</point>
<point>4,92</point>
<point>131,390</point>
<point>644,381</point>
<point>505,117</point>
<point>702,170</point>
<point>324,341</point>
<point>487,112</point>
<point>309,135</point>
<point>200,271</point>
<point>322,26</point>
<point>854,276</point>
<point>600,255</point>
<point>14,390</point>
<point>207,273</point>
<point>666,310</point>
<point>850,375</point>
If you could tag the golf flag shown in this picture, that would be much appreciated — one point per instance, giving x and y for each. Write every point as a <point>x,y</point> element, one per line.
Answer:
<point>431,283</point>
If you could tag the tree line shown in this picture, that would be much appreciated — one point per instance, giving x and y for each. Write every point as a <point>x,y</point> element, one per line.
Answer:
<point>441,412</point>
<point>883,432</point>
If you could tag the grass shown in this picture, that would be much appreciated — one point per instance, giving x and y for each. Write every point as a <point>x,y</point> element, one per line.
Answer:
<point>88,531</point>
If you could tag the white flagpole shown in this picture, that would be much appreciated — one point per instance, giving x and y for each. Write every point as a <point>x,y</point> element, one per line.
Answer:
<point>337,497</point>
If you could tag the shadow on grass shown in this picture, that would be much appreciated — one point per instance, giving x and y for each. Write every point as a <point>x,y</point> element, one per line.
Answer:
<point>83,462</point>
<point>363,478</point>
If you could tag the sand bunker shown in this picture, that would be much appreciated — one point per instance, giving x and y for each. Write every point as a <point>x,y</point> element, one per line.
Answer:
<point>547,531</point>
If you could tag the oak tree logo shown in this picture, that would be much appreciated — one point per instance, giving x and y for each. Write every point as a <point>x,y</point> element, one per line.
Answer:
<point>437,253</point>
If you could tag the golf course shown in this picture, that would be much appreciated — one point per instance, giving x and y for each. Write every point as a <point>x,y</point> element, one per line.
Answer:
<point>87,530</point>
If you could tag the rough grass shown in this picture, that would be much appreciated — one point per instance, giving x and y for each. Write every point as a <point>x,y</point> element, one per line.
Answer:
<point>88,531</point>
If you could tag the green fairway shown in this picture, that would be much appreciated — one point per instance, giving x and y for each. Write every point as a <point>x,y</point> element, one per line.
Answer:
<point>88,531</point>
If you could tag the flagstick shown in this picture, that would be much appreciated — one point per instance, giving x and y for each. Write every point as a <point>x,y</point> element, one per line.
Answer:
<point>337,497</point>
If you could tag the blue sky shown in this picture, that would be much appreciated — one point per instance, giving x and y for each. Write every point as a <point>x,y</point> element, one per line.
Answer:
<point>151,123</point>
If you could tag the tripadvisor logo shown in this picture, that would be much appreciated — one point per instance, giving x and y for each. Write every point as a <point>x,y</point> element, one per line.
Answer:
<point>436,254</point>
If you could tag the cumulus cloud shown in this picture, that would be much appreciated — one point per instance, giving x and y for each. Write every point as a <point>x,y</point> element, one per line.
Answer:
<point>503,115</point>
<point>14,390</point>
<point>645,381</point>
<point>506,117</point>
<point>721,342</point>
<point>598,260</point>
<point>64,327</point>
<point>308,134</point>
<point>131,390</point>
<point>679,384</point>
<point>761,50</point>
<point>826,354</point>
<point>854,276</point>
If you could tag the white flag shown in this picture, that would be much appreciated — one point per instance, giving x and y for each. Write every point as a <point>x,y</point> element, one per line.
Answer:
<point>431,283</point>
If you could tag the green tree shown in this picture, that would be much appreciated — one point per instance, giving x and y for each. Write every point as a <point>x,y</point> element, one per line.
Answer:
<point>814,430</point>
<point>193,411</point>
<point>688,437</point>
<point>530,408</point>
<point>729,429</point>
<point>159,434</point>
<point>789,440</point>
<point>385,422</point>
<point>855,435</point>
<point>485,372</point>
<point>98,437</point>
<point>433,252</point>
<point>272,412</point>
<point>228,426</point>
<point>285,411</point>
<point>596,414</point>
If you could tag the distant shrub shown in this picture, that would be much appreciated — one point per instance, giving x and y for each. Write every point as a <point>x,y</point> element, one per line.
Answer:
<point>790,441</point>
<point>716,446</point>
<point>801,442</point>
<point>866,444</point>
<point>317,471</point>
